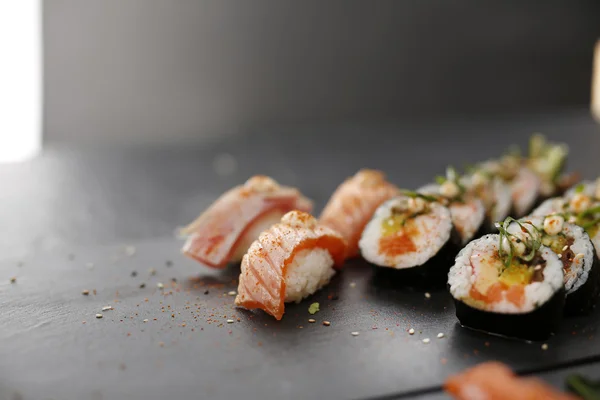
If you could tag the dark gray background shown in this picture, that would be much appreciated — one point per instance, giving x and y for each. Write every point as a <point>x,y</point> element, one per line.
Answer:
<point>157,70</point>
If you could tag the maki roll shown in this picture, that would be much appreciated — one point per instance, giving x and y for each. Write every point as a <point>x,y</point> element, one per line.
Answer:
<point>223,233</point>
<point>412,233</point>
<point>580,209</point>
<point>580,264</point>
<point>524,184</point>
<point>466,210</point>
<point>495,195</point>
<point>547,160</point>
<point>588,188</point>
<point>288,262</point>
<point>509,283</point>
<point>353,204</point>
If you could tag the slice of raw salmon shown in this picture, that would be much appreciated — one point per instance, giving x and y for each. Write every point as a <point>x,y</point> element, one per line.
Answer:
<point>353,204</point>
<point>214,235</point>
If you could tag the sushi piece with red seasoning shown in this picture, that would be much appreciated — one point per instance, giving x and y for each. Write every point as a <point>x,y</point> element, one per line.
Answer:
<point>495,381</point>
<point>223,233</point>
<point>353,204</point>
<point>289,261</point>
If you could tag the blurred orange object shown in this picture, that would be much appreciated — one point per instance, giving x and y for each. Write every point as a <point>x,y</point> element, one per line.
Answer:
<point>495,381</point>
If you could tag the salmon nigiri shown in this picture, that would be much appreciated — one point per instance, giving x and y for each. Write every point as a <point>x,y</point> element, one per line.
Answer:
<point>353,204</point>
<point>289,261</point>
<point>495,381</point>
<point>223,232</point>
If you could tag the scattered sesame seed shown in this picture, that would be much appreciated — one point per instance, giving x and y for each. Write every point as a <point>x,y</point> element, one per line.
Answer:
<point>537,268</point>
<point>312,321</point>
<point>354,333</point>
<point>160,285</point>
<point>85,292</point>
<point>130,250</point>
<point>326,323</point>
<point>107,308</point>
<point>411,331</point>
<point>152,271</point>
<point>146,320</point>
<point>232,293</point>
<point>559,255</point>
<point>230,321</point>
<point>565,248</point>
<point>440,335</point>
<point>142,285</point>
<point>13,279</point>
<point>426,340</point>
<point>427,295</point>
<point>545,346</point>
<point>352,284</point>
<point>98,315</point>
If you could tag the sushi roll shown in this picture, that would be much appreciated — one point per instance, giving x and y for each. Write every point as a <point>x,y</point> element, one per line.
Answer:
<point>580,264</point>
<point>509,284</point>
<point>495,195</point>
<point>495,381</point>
<point>547,160</point>
<point>524,184</point>
<point>580,209</point>
<point>288,262</point>
<point>588,188</point>
<point>353,204</point>
<point>467,211</point>
<point>412,233</point>
<point>223,233</point>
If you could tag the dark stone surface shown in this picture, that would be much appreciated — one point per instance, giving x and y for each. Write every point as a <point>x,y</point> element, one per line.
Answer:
<point>72,207</point>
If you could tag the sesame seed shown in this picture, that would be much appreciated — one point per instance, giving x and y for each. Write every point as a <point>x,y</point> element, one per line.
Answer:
<point>160,285</point>
<point>130,250</point>
<point>565,248</point>
<point>85,292</point>
<point>326,323</point>
<point>440,335</point>
<point>107,308</point>
<point>312,321</point>
<point>232,293</point>
<point>352,284</point>
<point>559,255</point>
<point>13,279</point>
<point>426,340</point>
<point>354,333</point>
<point>427,295</point>
<point>146,320</point>
<point>230,321</point>
<point>537,268</point>
<point>98,315</point>
<point>411,331</point>
<point>545,346</point>
<point>152,271</point>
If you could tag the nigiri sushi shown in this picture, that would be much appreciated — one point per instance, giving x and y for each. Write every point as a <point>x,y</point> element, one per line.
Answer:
<point>223,232</point>
<point>495,381</point>
<point>289,261</point>
<point>353,204</point>
<point>467,211</point>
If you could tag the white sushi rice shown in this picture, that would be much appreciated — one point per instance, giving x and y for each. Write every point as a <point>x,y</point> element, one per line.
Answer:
<point>260,225</point>
<point>462,276</point>
<point>550,206</point>
<point>589,189</point>
<point>467,217</point>
<point>434,230</point>
<point>309,271</point>
<point>581,266</point>
<point>525,188</point>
